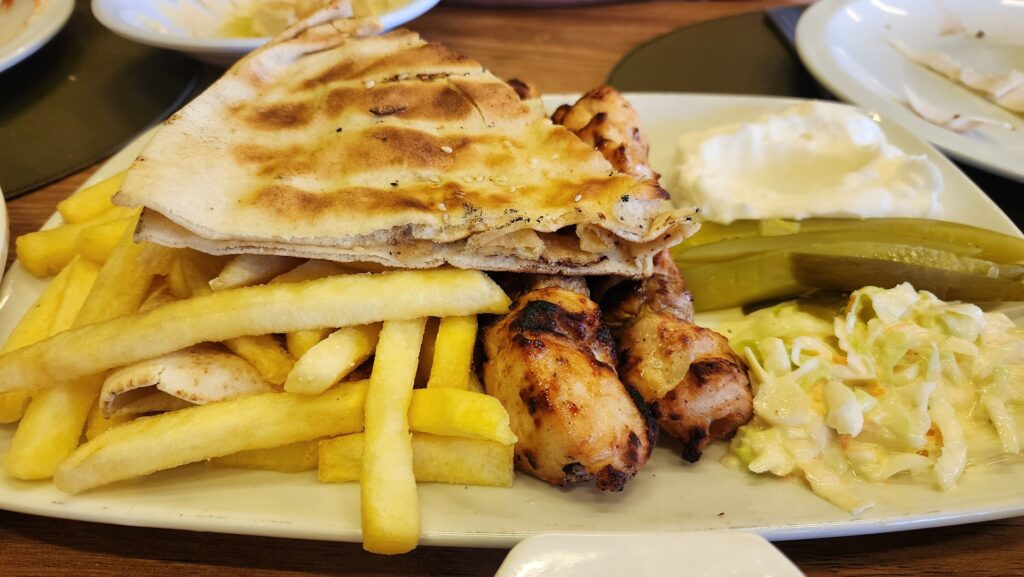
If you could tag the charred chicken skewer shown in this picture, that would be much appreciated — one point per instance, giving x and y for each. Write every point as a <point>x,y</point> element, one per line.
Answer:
<point>695,385</point>
<point>551,362</point>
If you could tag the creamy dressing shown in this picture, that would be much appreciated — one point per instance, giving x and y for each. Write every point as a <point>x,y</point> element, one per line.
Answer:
<point>810,160</point>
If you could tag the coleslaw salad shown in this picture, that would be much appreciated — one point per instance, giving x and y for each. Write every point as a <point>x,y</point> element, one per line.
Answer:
<point>899,384</point>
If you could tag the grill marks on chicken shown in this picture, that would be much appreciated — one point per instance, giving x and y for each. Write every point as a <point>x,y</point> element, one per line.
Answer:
<point>551,362</point>
<point>695,385</point>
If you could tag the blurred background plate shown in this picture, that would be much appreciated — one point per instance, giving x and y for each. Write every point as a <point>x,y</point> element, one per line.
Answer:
<point>194,27</point>
<point>82,97</point>
<point>26,25</point>
<point>528,3</point>
<point>847,45</point>
<point>694,59</point>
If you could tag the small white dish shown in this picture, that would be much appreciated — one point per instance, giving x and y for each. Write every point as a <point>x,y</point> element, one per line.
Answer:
<point>694,554</point>
<point>27,25</point>
<point>847,45</point>
<point>159,23</point>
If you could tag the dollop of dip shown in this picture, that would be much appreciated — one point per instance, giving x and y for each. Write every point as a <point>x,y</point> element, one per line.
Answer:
<point>813,159</point>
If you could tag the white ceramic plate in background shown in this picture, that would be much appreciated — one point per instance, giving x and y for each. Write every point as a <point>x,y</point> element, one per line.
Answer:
<point>157,23</point>
<point>668,495</point>
<point>846,45</point>
<point>646,555</point>
<point>26,25</point>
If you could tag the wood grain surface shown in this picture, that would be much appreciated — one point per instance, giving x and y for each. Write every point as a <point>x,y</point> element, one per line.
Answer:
<point>560,50</point>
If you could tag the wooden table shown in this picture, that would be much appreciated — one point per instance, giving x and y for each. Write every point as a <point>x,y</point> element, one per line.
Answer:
<point>559,50</point>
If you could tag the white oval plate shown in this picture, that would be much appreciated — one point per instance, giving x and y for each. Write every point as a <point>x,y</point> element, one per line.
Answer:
<point>668,495</point>
<point>27,25</point>
<point>846,45</point>
<point>159,23</point>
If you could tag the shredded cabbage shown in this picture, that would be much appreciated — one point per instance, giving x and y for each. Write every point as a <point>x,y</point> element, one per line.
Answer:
<point>893,385</point>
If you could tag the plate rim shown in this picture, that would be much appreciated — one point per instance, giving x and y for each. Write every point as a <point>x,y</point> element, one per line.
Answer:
<point>50,21</point>
<point>813,48</point>
<point>104,11</point>
<point>121,513</point>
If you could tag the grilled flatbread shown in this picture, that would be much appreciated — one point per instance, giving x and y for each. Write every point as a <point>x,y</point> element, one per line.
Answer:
<point>333,142</point>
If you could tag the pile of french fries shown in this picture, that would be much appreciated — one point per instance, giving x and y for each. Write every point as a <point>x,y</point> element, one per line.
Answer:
<point>337,352</point>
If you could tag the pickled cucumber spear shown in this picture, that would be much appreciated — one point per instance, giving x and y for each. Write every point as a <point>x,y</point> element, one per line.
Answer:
<point>970,240</point>
<point>849,266</point>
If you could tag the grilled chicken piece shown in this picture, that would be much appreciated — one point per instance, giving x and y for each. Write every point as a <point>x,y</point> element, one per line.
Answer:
<point>606,121</point>
<point>694,384</point>
<point>551,362</point>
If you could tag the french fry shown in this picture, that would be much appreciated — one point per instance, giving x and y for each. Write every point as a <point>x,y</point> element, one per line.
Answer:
<point>339,301</point>
<point>124,280</point>
<point>90,201</point>
<point>45,252</point>
<point>434,460</point>
<point>299,342</point>
<point>267,355</point>
<point>50,429</point>
<point>33,327</point>
<point>159,295</point>
<point>332,359</point>
<point>12,406</point>
<point>186,279</point>
<point>82,275</point>
<point>176,281</point>
<point>52,424</point>
<point>262,351</point>
<point>96,242</point>
<point>460,413</point>
<point>291,458</point>
<point>387,487</point>
<point>191,269</point>
<point>312,270</point>
<point>427,352</point>
<point>149,444</point>
<point>98,423</point>
<point>453,352</point>
<point>54,420</point>
<point>249,269</point>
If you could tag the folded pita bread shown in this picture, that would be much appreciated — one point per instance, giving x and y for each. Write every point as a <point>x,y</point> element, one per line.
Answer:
<point>332,142</point>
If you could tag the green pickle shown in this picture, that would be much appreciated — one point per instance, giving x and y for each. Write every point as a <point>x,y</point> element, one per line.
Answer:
<point>743,281</point>
<point>849,266</point>
<point>749,246</point>
<point>918,255</point>
<point>842,272</point>
<point>971,240</point>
